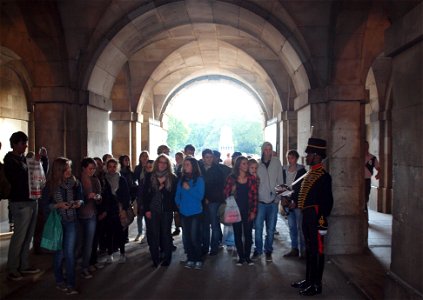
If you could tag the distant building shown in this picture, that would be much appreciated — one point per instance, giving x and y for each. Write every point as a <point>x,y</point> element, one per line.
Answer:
<point>226,143</point>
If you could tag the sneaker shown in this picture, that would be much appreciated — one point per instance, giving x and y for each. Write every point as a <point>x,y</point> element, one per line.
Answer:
<point>15,276</point>
<point>86,274</point>
<point>71,291</point>
<point>268,256</point>
<point>190,264</point>
<point>99,265</point>
<point>198,265</point>
<point>109,259</point>
<point>30,271</point>
<point>255,256</point>
<point>122,259</point>
<point>292,253</point>
<point>62,287</point>
<point>239,262</point>
<point>249,262</point>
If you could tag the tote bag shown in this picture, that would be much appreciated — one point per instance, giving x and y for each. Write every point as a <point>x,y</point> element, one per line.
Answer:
<point>52,237</point>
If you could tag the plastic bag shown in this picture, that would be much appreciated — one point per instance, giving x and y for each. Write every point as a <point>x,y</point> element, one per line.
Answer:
<point>36,178</point>
<point>52,238</point>
<point>231,214</point>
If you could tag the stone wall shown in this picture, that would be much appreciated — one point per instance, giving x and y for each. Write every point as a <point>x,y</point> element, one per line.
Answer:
<point>406,273</point>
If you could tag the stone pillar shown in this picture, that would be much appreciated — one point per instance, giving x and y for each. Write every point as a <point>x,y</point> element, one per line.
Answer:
<point>385,191</point>
<point>336,114</point>
<point>288,132</point>
<point>124,134</point>
<point>49,124</point>
<point>406,271</point>
<point>97,131</point>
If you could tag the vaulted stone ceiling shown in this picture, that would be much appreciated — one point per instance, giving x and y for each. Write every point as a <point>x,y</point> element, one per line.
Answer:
<point>141,50</point>
<point>167,46</point>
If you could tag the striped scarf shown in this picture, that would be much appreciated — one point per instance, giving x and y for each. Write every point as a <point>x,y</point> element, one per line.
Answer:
<point>68,186</point>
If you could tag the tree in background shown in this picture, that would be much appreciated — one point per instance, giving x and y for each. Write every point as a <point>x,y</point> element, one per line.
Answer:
<point>248,135</point>
<point>178,133</point>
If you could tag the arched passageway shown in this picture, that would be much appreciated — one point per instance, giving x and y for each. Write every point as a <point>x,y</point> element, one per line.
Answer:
<point>308,62</point>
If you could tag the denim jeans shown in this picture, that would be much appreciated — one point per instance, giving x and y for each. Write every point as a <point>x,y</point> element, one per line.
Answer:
<point>211,219</point>
<point>24,217</point>
<point>228,235</point>
<point>67,253</point>
<point>266,213</point>
<point>216,230</point>
<point>191,225</point>
<point>88,232</point>
<point>295,219</point>
<point>139,223</point>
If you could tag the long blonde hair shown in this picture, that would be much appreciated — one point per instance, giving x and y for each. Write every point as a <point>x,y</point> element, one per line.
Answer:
<point>56,173</point>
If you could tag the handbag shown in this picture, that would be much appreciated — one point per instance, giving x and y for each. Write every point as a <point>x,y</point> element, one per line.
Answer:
<point>52,237</point>
<point>130,216</point>
<point>231,214</point>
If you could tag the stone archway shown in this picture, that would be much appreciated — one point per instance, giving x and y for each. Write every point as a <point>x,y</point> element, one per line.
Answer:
<point>14,111</point>
<point>378,131</point>
<point>153,51</point>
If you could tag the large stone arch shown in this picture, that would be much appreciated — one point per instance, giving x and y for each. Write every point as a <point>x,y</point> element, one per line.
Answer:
<point>156,42</point>
<point>15,98</point>
<point>162,23</point>
<point>211,77</point>
<point>378,130</point>
<point>243,68</point>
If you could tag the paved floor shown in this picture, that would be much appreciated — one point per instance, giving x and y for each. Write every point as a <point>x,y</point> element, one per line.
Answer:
<point>220,278</point>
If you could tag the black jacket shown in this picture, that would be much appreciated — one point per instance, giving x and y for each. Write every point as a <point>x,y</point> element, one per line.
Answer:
<point>168,197</point>
<point>110,202</point>
<point>16,171</point>
<point>214,180</point>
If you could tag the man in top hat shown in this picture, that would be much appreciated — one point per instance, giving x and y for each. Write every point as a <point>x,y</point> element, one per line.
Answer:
<point>315,200</point>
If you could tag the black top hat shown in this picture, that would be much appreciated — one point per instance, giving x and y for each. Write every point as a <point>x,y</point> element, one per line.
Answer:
<point>317,146</point>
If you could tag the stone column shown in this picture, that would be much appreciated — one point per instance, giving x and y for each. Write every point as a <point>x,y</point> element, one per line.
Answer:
<point>336,114</point>
<point>50,129</point>
<point>97,142</point>
<point>288,132</point>
<point>406,270</point>
<point>124,134</point>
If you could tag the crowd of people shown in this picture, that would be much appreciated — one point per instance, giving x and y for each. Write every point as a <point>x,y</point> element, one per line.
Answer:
<point>95,207</point>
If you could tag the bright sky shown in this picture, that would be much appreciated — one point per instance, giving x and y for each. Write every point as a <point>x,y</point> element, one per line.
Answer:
<point>204,100</point>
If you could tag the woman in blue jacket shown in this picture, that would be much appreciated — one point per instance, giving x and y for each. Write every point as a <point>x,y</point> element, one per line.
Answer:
<point>189,197</point>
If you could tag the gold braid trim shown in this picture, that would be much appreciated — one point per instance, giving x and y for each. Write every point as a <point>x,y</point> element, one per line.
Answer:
<point>307,183</point>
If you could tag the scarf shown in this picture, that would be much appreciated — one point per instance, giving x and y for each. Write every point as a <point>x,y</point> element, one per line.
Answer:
<point>68,185</point>
<point>155,180</point>
<point>113,180</point>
